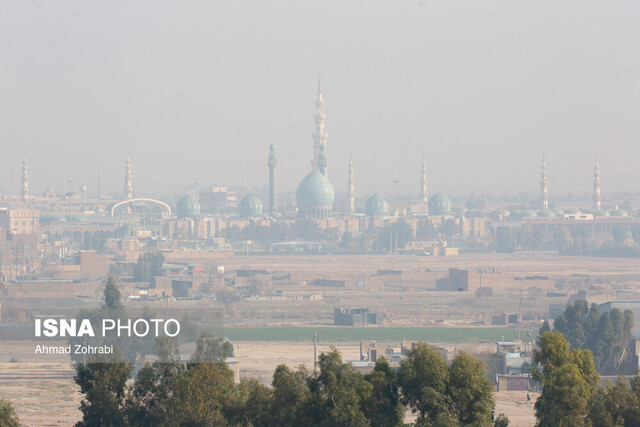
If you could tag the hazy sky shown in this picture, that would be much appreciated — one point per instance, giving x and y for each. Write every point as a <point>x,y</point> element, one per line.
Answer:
<point>195,91</point>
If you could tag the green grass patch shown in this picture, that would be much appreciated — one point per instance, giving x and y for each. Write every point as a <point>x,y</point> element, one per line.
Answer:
<point>430,333</point>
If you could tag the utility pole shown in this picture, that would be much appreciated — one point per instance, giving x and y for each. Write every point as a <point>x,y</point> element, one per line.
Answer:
<point>315,352</point>
<point>519,314</point>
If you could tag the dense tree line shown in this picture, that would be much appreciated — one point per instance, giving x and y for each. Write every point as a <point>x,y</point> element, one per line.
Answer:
<point>570,240</point>
<point>607,335</point>
<point>203,392</point>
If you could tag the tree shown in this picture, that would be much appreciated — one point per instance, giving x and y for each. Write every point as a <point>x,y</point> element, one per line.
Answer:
<point>112,295</point>
<point>385,406</point>
<point>470,391</point>
<point>563,239</point>
<point>250,405</point>
<point>394,236</point>
<point>504,240</point>
<point>339,393</point>
<point>209,349</point>
<point>615,405</point>
<point>607,335</point>
<point>149,400</point>
<point>8,416</point>
<point>290,396</point>
<point>103,383</point>
<point>424,377</point>
<point>201,395</point>
<point>568,379</point>
<point>149,265</point>
<point>501,421</point>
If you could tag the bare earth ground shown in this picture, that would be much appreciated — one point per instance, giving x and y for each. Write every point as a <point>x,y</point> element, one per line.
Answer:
<point>520,263</point>
<point>45,395</point>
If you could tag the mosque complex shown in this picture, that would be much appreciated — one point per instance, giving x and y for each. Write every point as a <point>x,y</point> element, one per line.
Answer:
<point>213,217</point>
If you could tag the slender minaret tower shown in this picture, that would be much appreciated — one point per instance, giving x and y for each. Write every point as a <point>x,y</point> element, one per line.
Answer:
<point>322,160</point>
<point>128,187</point>
<point>272,162</point>
<point>24,193</point>
<point>319,136</point>
<point>597,198</point>
<point>424,194</point>
<point>99,185</point>
<point>351,189</point>
<point>544,186</point>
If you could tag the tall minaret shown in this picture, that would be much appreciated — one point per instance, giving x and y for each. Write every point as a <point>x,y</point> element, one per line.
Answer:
<point>99,185</point>
<point>319,136</point>
<point>322,160</point>
<point>424,194</point>
<point>24,193</point>
<point>351,189</point>
<point>544,186</point>
<point>272,162</point>
<point>128,187</point>
<point>597,198</point>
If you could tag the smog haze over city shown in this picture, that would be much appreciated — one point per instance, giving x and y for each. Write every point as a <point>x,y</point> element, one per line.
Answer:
<point>197,92</point>
<point>336,213</point>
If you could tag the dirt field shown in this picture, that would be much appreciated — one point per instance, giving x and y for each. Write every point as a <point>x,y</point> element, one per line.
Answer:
<point>46,394</point>
<point>518,264</point>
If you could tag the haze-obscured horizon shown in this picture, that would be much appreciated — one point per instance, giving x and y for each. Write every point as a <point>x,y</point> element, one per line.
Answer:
<point>196,91</point>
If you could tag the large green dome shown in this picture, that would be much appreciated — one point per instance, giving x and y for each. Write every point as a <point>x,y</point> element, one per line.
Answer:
<point>315,196</point>
<point>250,206</point>
<point>188,207</point>
<point>376,206</point>
<point>439,204</point>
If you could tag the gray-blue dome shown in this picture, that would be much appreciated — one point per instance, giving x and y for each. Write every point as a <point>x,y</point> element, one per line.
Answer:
<point>619,212</point>
<point>439,204</point>
<point>250,206</point>
<point>546,213</point>
<point>188,207</point>
<point>315,196</point>
<point>376,205</point>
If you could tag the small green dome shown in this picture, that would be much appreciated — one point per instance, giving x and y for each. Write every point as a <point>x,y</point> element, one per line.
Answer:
<point>376,206</point>
<point>518,215</point>
<point>619,212</point>
<point>545,213</point>
<point>188,207</point>
<point>315,196</point>
<point>250,206</point>
<point>48,219</point>
<point>600,213</point>
<point>439,205</point>
<point>572,211</point>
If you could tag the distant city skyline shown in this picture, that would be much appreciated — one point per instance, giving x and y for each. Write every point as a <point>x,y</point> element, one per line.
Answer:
<point>483,90</point>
